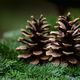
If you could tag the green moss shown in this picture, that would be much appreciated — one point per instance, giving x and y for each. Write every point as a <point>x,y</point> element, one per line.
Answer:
<point>13,69</point>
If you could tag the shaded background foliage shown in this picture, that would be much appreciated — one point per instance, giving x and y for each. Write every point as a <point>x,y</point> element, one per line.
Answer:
<point>14,13</point>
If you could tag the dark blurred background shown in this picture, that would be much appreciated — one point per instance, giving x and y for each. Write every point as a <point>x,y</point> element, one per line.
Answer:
<point>15,13</point>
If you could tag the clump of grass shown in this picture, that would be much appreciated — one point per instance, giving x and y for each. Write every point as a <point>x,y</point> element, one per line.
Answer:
<point>13,69</point>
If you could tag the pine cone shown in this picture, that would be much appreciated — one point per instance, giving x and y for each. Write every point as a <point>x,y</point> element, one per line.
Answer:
<point>65,43</point>
<point>35,37</point>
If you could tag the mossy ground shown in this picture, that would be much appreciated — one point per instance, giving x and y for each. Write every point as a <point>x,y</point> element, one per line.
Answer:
<point>13,69</point>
